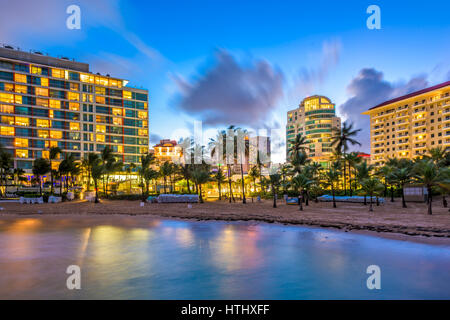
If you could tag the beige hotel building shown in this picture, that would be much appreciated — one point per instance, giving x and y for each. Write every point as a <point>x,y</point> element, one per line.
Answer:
<point>407,126</point>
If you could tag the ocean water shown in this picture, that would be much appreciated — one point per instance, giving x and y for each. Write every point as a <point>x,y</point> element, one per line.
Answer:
<point>172,259</point>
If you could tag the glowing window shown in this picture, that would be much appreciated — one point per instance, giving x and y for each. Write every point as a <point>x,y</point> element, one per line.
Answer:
<point>73,96</point>
<point>127,94</point>
<point>74,106</point>
<point>41,123</point>
<point>42,133</point>
<point>87,97</point>
<point>55,104</point>
<point>100,90</point>
<point>7,97</point>
<point>53,144</point>
<point>117,121</point>
<point>44,82</point>
<point>21,153</point>
<point>42,102</point>
<point>74,126</point>
<point>4,108</point>
<point>142,115</point>
<point>9,87</point>
<point>56,134</point>
<point>36,70</point>
<point>143,150</point>
<point>101,80</point>
<point>8,120</point>
<point>100,99</point>
<point>21,89</point>
<point>101,129</point>
<point>46,155</point>
<point>42,92</point>
<point>142,132</point>
<point>87,78</point>
<point>20,78</point>
<point>19,142</point>
<point>120,149</point>
<point>100,138</point>
<point>20,121</point>
<point>100,119</point>
<point>7,131</point>
<point>114,83</point>
<point>116,111</point>
<point>18,99</point>
<point>57,73</point>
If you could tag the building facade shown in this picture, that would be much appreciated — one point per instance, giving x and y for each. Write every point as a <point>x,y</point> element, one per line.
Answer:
<point>167,150</point>
<point>47,101</point>
<point>407,126</point>
<point>315,119</point>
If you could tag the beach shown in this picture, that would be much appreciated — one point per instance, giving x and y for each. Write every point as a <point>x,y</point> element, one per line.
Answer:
<point>388,220</point>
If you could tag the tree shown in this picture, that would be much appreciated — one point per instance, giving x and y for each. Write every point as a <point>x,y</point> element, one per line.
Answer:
<point>344,137</point>
<point>87,163</point>
<point>253,175</point>
<point>402,176</point>
<point>275,180</point>
<point>370,187</point>
<point>53,154</point>
<point>185,171</point>
<point>428,173</point>
<point>200,176</point>
<point>301,183</point>
<point>129,169</point>
<point>6,163</point>
<point>97,171</point>
<point>149,175</point>
<point>146,161</point>
<point>165,170</point>
<point>41,167</point>
<point>331,177</point>
<point>220,178</point>
<point>298,144</point>
<point>363,171</point>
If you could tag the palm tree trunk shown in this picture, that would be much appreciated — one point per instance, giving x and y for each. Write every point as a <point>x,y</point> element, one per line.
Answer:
<point>444,201</point>
<point>392,193</point>
<point>243,184</point>
<point>370,206</point>
<point>403,198</point>
<point>187,184</point>
<point>274,197</point>
<point>200,193</point>
<point>96,191</point>
<point>220,192</point>
<point>229,183</point>
<point>430,200</point>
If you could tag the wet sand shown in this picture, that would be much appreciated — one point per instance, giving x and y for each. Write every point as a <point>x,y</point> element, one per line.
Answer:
<point>389,220</point>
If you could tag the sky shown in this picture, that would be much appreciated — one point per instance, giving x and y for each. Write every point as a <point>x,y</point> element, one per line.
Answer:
<point>244,63</point>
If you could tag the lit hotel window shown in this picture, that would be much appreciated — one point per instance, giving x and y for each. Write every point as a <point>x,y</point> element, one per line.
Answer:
<point>20,78</point>
<point>20,121</point>
<point>74,106</point>
<point>55,134</point>
<point>21,89</point>
<point>143,132</point>
<point>116,111</point>
<point>7,97</point>
<point>36,70</point>
<point>142,115</point>
<point>44,82</point>
<point>86,78</point>
<point>18,99</point>
<point>21,153</point>
<point>4,108</point>
<point>42,102</point>
<point>117,121</point>
<point>100,99</point>
<point>101,129</point>
<point>127,94</point>
<point>42,92</point>
<point>73,96</point>
<point>10,87</point>
<point>8,120</point>
<point>7,131</point>
<point>21,142</point>
<point>42,133</point>
<point>100,138</point>
<point>57,73</point>
<point>41,123</point>
<point>75,126</point>
<point>56,104</point>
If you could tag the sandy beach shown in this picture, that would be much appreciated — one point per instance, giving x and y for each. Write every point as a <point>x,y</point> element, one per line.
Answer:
<point>389,220</point>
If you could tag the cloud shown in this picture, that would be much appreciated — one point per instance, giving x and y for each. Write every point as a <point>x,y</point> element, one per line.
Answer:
<point>154,139</point>
<point>367,90</point>
<point>309,79</point>
<point>231,93</point>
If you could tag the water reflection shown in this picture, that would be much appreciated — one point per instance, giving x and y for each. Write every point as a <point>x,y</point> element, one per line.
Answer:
<point>138,257</point>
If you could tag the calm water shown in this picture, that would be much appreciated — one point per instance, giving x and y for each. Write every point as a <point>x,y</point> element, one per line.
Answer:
<point>164,259</point>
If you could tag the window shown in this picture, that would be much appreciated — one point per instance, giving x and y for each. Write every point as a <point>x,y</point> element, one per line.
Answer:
<point>142,115</point>
<point>42,133</point>
<point>41,123</point>
<point>36,70</point>
<point>73,96</point>
<point>18,99</point>
<point>102,81</point>
<point>87,78</point>
<point>20,78</point>
<point>74,126</point>
<point>55,104</point>
<point>101,129</point>
<point>42,92</point>
<point>42,102</point>
<point>56,134</point>
<point>21,89</point>
<point>23,143</point>
<point>117,121</point>
<point>100,138</point>
<point>4,108</point>
<point>7,131</point>
<point>142,132</point>
<point>8,120</point>
<point>21,153</point>
<point>7,97</point>
<point>57,73</point>
<point>74,106</point>
<point>100,99</point>
<point>44,82</point>
<point>20,121</point>
<point>116,111</point>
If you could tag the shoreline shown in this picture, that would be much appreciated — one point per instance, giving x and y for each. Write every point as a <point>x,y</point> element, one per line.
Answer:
<point>257,213</point>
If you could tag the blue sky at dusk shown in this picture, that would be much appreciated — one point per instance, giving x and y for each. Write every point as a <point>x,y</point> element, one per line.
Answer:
<point>244,62</point>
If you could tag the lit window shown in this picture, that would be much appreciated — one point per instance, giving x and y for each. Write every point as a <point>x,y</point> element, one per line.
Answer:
<point>57,73</point>
<point>100,90</point>
<point>101,80</point>
<point>18,99</point>
<point>120,149</point>
<point>74,106</point>
<point>143,132</point>
<point>21,89</point>
<point>42,92</point>
<point>20,121</point>
<point>143,150</point>
<point>116,111</point>
<point>114,83</point>
<point>127,94</point>
<point>74,126</point>
<point>8,120</point>
<point>42,102</point>
<point>100,99</point>
<point>142,115</point>
<point>41,123</point>
<point>53,144</point>
<point>19,142</point>
<point>87,78</point>
<point>46,155</point>
<point>42,133</point>
<point>20,78</point>
<point>50,113</point>
<point>73,96</point>
<point>100,138</point>
<point>7,97</point>
<point>36,70</point>
<point>10,87</point>
<point>101,129</point>
<point>74,86</point>
<point>21,153</point>
<point>4,108</point>
<point>44,82</point>
<point>87,97</point>
<point>56,134</point>
<point>117,121</point>
<point>7,131</point>
<point>56,104</point>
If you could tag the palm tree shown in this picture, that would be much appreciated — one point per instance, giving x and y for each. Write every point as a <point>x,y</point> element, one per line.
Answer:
<point>129,169</point>
<point>185,171</point>
<point>402,176</point>
<point>331,177</point>
<point>275,180</point>
<point>363,171</point>
<point>352,159</point>
<point>165,170</point>
<point>254,174</point>
<point>301,183</point>
<point>220,178</point>
<point>19,176</point>
<point>97,171</point>
<point>200,176</point>
<point>41,167</point>
<point>6,163</point>
<point>53,154</point>
<point>149,175</point>
<point>344,137</point>
<point>146,161</point>
<point>298,144</point>
<point>106,156</point>
<point>87,163</point>
<point>371,186</point>
<point>428,173</point>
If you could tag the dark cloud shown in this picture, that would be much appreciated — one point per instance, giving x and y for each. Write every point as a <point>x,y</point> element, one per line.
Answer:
<point>232,93</point>
<point>369,89</point>
<point>154,138</point>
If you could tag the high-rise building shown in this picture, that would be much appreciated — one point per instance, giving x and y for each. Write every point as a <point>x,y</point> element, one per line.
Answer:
<point>167,150</point>
<point>315,119</point>
<point>47,101</point>
<point>405,127</point>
